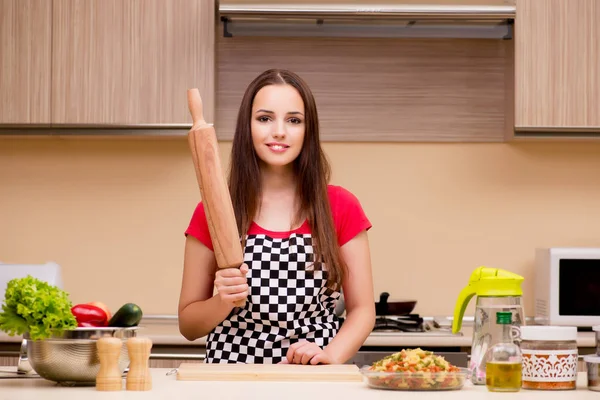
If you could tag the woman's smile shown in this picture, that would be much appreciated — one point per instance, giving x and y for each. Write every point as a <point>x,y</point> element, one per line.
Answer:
<point>277,147</point>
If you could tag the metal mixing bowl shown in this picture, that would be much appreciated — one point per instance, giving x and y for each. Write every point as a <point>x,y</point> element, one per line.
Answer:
<point>71,357</point>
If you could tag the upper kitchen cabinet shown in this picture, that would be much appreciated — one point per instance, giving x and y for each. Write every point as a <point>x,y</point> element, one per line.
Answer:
<point>557,66</point>
<point>25,46</point>
<point>131,62</point>
<point>394,71</point>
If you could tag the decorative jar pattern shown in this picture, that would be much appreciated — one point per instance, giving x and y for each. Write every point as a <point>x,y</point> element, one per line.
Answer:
<point>550,357</point>
<point>549,366</point>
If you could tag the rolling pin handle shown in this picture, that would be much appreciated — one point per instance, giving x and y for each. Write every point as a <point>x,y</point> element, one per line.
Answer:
<point>195,106</point>
<point>242,303</point>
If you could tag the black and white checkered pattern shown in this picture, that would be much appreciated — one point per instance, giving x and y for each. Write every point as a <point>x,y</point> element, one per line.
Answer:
<point>287,302</point>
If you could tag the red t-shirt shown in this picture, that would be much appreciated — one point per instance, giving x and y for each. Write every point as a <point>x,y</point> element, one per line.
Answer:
<point>348,216</point>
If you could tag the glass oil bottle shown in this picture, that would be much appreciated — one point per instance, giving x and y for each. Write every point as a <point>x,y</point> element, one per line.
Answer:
<point>504,362</point>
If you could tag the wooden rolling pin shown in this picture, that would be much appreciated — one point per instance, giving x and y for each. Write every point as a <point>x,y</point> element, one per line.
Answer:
<point>213,189</point>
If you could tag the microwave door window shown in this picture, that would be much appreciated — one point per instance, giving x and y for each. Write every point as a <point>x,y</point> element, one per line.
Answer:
<point>579,287</point>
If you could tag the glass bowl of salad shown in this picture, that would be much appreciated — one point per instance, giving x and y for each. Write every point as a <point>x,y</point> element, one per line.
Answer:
<point>414,370</point>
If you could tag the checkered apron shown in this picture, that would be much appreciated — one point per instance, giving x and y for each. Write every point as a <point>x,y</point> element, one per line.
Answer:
<point>286,303</point>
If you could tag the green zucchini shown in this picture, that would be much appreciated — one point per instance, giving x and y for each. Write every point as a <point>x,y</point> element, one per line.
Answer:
<point>127,316</point>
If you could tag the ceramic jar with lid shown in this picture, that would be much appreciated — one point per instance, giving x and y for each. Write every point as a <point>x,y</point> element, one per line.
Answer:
<point>550,357</point>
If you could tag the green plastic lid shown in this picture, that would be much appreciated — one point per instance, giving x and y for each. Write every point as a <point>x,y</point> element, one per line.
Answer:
<point>503,317</point>
<point>486,282</point>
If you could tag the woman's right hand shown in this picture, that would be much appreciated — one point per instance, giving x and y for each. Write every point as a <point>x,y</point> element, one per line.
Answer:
<point>231,284</point>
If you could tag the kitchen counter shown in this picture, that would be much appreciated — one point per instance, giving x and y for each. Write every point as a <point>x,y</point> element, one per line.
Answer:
<point>167,387</point>
<point>166,333</point>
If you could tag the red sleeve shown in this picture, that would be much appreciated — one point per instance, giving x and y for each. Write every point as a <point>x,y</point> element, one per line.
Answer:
<point>348,215</point>
<point>198,227</point>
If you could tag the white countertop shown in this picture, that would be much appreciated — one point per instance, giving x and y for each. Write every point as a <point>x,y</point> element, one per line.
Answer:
<point>167,387</point>
<point>167,333</point>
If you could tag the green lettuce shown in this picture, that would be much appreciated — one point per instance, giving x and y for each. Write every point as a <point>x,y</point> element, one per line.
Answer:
<point>34,306</point>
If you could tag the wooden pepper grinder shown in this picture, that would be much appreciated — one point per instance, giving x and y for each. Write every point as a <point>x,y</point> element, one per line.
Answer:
<point>109,377</point>
<point>138,377</point>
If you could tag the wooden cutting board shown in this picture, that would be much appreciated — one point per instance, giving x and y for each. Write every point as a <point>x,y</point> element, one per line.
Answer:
<point>268,372</point>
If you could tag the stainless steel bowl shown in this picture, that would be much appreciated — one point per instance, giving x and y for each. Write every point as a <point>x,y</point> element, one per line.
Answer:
<point>71,357</point>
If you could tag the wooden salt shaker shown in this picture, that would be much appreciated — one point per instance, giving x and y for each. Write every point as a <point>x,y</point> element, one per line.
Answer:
<point>109,377</point>
<point>138,377</point>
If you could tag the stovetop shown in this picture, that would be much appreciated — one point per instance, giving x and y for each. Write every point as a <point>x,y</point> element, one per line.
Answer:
<point>410,324</point>
<point>401,323</point>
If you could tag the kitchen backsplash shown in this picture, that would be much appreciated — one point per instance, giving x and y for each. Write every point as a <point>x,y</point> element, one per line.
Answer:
<point>112,212</point>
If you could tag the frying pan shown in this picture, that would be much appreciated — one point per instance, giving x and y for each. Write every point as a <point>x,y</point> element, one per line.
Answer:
<point>385,307</point>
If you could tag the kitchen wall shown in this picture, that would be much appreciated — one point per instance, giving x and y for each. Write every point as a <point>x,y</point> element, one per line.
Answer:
<point>112,212</point>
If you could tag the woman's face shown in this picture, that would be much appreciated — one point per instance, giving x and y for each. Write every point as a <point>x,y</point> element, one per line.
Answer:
<point>278,124</point>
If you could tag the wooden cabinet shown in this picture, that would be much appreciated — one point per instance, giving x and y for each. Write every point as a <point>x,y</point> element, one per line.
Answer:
<point>25,46</point>
<point>130,62</point>
<point>105,62</point>
<point>380,90</point>
<point>557,65</point>
<point>9,361</point>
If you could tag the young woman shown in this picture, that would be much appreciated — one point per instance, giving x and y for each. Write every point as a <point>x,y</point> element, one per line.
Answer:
<point>304,242</point>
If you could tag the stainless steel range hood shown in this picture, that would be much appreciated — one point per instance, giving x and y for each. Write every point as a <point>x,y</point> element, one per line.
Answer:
<point>355,20</point>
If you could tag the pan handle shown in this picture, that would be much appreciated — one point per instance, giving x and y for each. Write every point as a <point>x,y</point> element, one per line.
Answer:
<point>383,303</point>
<point>383,298</point>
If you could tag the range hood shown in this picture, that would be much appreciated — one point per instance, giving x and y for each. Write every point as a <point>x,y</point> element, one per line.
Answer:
<point>368,21</point>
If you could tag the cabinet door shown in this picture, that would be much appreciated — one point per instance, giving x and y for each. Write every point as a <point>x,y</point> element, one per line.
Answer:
<point>9,361</point>
<point>130,62</point>
<point>25,44</point>
<point>557,64</point>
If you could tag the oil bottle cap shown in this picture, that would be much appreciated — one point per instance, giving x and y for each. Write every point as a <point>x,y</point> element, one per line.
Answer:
<point>504,317</point>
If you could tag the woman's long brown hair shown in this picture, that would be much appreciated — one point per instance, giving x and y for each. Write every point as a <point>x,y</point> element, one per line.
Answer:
<point>311,168</point>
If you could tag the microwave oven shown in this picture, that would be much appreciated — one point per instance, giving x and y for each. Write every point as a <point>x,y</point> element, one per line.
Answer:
<point>567,286</point>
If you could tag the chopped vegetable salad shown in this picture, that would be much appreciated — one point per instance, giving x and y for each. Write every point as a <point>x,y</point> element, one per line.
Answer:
<point>413,361</point>
<point>415,369</point>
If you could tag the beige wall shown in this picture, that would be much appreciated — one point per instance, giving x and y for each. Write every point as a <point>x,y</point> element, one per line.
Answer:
<point>112,212</point>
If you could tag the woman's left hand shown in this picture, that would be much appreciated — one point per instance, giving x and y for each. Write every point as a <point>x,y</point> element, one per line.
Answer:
<point>305,352</point>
